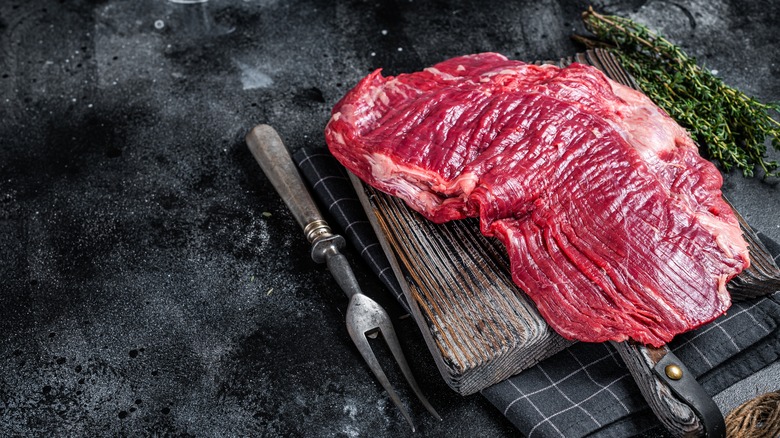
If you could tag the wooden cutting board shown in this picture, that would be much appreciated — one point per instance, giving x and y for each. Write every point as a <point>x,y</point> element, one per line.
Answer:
<point>479,326</point>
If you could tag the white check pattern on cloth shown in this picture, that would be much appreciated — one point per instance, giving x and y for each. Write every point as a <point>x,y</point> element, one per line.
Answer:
<point>585,390</point>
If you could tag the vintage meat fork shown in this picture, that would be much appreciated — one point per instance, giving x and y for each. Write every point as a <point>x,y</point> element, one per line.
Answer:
<point>364,315</point>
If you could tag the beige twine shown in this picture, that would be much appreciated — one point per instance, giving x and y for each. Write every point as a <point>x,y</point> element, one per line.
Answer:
<point>756,418</point>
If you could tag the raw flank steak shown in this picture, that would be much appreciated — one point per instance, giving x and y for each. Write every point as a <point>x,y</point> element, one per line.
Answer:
<point>614,225</point>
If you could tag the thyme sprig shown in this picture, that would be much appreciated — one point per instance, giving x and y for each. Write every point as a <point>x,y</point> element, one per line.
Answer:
<point>731,126</point>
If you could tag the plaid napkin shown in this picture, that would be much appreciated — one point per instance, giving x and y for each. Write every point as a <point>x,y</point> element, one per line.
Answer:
<point>585,390</point>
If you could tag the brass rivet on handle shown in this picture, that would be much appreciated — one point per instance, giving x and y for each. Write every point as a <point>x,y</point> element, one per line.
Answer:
<point>673,371</point>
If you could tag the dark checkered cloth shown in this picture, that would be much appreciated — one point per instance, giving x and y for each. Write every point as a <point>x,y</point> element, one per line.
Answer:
<point>585,390</point>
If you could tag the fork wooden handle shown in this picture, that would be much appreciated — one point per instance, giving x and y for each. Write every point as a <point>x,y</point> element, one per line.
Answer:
<point>274,158</point>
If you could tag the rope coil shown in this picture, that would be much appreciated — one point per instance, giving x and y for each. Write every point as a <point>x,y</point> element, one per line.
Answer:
<point>756,418</point>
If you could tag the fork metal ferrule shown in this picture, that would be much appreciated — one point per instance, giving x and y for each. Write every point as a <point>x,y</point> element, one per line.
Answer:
<point>316,230</point>
<point>324,243</point>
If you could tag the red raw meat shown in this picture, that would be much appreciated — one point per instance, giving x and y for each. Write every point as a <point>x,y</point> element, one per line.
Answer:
<point>614,224</point>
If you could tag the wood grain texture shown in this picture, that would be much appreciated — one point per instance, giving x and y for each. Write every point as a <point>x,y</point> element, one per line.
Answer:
<point>481,327</point>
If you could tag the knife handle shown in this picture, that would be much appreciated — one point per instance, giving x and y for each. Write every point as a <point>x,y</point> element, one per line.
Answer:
<point>274,158</point>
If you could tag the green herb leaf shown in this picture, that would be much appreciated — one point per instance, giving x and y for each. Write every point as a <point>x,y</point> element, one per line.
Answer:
<point>731,126</point>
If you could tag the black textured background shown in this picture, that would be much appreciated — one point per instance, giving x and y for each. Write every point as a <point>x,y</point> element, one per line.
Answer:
<point>152,282</point>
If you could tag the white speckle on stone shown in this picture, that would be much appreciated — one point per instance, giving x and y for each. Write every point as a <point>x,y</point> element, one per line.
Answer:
<point>351,431</point>
<point>400,49</point>
<point>373,53</point>
<point>384,31</point>
<point>252,78</point>
<point>351,410</point>
<point>715,72</point>
<point>159,24</point>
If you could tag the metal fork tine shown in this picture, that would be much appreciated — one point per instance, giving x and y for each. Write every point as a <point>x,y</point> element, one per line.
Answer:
<point>365,350</point>
<point>395,347</point>
<point>363,315</point>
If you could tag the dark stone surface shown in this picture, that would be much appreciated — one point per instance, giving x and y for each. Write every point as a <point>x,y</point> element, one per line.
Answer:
<point>152,280</point>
